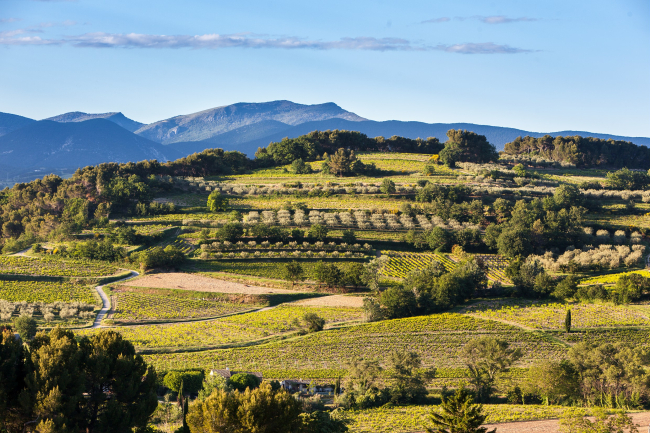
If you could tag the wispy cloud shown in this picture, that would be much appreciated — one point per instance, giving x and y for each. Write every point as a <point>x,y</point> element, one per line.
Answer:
<point>501,19</point>
<point>436,20</point>
<point>244,40</point>
<point>481,48</point>
<point>495,19</point>
<point>9,20</point>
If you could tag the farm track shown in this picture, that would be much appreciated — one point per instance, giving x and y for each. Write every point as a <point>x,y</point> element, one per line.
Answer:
<point>106,305</point>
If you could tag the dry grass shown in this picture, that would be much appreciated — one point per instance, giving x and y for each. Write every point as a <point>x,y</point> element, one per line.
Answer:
<point>199,283</point>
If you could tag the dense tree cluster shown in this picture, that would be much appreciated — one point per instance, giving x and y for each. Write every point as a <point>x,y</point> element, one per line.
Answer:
<point>583,151</point>
<point>54,206</point>
<point>57,383</point>
<point>467,146</point>
<point>310,146</point>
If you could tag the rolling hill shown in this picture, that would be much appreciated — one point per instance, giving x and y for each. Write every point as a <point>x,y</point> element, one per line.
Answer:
<point>118,118</point>
<point>48,145</point>
<point>11,122</point>
<point>496,135</point>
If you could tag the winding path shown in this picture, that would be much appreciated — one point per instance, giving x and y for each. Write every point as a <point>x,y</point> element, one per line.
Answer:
<point>106,305</point>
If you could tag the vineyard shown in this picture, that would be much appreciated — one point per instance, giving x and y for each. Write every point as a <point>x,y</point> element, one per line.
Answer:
<point>231,329</point>
<point>45,291</point>
<point>412,418</point>
<point>139,304</point>
<point>438,339</point>
<point>402,263</point>
<point>542,315</point>
<point>52,266</point>
<point>612,278</point>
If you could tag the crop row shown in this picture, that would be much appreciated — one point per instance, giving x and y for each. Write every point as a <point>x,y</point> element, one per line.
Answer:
<point>400,265</point>
<point>406,419</point>
<point>131,306</point>
<point>45,291</point>
<point>52,266</point>
<point>231,329</point>
<point>541,315</point>
<point>438,339</point>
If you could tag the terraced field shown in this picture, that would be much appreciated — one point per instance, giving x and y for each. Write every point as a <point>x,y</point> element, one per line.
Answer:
<point>548,315</point>
<point>54,266</point>
<point>45,291</point>
<point>230,330</point>
<point>438,339</point>
<point>131,304</point>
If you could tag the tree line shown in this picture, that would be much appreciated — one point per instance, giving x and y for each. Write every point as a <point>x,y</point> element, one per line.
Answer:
<point>583,151</point>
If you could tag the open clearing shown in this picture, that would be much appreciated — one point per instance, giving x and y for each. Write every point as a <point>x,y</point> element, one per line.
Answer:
<point>199,283</point>
<point>334,301</point>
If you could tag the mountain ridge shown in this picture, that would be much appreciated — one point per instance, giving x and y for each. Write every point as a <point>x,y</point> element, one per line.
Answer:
<point>115,117</point>
<point>209,123</point>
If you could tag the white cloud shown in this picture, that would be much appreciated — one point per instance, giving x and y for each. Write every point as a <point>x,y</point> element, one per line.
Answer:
<point>243,40</point>
<point>9,20</point>
<point>501,19</point>
<point>436,20</point>
<point>481,48</point>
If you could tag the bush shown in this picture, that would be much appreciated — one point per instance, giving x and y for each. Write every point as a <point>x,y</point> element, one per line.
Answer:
<point>313,322</point>
<point>217,202</point>
<point>241,381</point>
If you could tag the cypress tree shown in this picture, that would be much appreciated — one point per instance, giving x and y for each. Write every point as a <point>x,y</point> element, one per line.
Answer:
<point>567,321</point>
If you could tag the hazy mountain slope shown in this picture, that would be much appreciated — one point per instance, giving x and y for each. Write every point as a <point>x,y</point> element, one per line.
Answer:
<point>210,123</point>
<point>78,116</point>
<point>53,145</point>
<point>11,122</point>
<point>233,138</point>
<point>496,135</point>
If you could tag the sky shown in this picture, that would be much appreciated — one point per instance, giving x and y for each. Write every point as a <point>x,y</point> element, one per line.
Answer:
<point>541,66</point>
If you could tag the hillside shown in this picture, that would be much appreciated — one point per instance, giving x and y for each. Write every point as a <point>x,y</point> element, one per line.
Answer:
<point>118,118</point>
<point>210,123</point>
<point>53,145</point>
<point>11,122</point>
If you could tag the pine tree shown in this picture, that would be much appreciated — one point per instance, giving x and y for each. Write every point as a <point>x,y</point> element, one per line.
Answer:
<point>458,414</point>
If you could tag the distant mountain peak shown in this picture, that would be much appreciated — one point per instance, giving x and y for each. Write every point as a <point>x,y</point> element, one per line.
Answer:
<point>115,117</point>
<point>209,123</point>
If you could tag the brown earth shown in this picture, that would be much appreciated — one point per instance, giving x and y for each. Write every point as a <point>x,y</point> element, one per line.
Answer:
<point>182,281</point>
<point>552,425</point>
<point>333,301</point>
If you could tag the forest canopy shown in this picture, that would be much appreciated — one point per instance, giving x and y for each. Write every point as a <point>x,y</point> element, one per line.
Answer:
<point>582,151</point>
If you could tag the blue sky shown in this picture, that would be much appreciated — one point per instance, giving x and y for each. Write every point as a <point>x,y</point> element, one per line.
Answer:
<point>536,65</point>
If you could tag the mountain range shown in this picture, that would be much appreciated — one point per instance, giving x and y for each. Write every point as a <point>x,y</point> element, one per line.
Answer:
<point>30,148</point>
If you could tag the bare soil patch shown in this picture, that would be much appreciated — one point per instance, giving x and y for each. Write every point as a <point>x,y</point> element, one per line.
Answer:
<point>333,301</point>
<point>553,425</point>
<point>182,281</point>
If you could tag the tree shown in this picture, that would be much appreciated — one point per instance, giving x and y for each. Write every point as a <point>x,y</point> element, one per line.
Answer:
<point>372,271</point>
<point>625,179</point>
<point>553,381</point>
<point>25,327</point>
<point>314,322</point>
<point>217,202</point>
<point>387,186</point>
<point>349,237</point>
<point>573,422</point>
<point>293,272</point>
<point>318,231</point>
<point>451,154</point>
<point>96,385</point>
<point>260,410</point>
<point>514,241</point>
<point>231,231</point>
<point>566,288</point>
<point>341,161</point>
<point>299,167</point>
<point>354,275</point>
<point>408,381</point>
<point>242,381</point>
<point>458,414</point>
<point>438,239</point>
<point>362,386</point>
<point>330,274</point>
<point>324,422</point>
<point>567,321</point>
<point>486,358</point>
<point>11,373</point>
<point>471,146</point>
